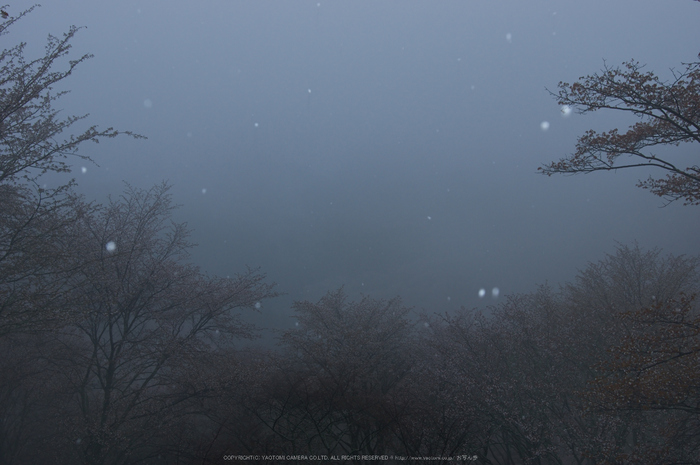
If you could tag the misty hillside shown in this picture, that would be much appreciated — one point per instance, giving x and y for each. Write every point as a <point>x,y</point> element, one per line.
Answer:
<point>350,231</point>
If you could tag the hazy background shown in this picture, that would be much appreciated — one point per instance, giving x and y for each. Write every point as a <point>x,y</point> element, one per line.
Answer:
<point>390,146</point>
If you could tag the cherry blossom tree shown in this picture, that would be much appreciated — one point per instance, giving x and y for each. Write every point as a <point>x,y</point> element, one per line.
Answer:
<point>668,113</point>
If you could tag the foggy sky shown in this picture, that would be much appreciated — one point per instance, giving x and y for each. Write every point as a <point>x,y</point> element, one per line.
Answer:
<point>388,146</point>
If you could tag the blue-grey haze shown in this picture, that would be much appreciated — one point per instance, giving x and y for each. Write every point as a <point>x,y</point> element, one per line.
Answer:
<point>388,146</point>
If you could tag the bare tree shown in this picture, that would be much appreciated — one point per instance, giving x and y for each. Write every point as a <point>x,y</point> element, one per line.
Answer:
<point>35,225</point>
<point>107,323</point>
<point>655,372</point>
<point>31,395</point>
<point>148,319</point>
<point>518,380</point>
<point>443,413</point>
<point>508,379</point>
<point>609,300</point>
<point>630,279</point>
<point>336,387</point>
<point>670,115</point>
<point>30,128</point>
<point>33,219</point>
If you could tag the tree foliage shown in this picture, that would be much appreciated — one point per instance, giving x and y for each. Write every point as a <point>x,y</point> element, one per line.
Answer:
<point>669,113</point>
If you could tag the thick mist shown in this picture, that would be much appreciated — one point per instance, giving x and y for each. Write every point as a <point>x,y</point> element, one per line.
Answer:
<point>390,147</point>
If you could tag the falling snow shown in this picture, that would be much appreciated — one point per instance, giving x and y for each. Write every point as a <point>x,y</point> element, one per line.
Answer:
<point>331,192</point>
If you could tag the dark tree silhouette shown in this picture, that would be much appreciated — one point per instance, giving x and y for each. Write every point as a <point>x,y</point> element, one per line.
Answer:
<point>654,369</point>
<point>149,319</point>
<point>336,388</point>
<point>670,115</point>
<point>30,128</point>
<point>33,219</point>
<point>34,227</point>
<point>518,380</point>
